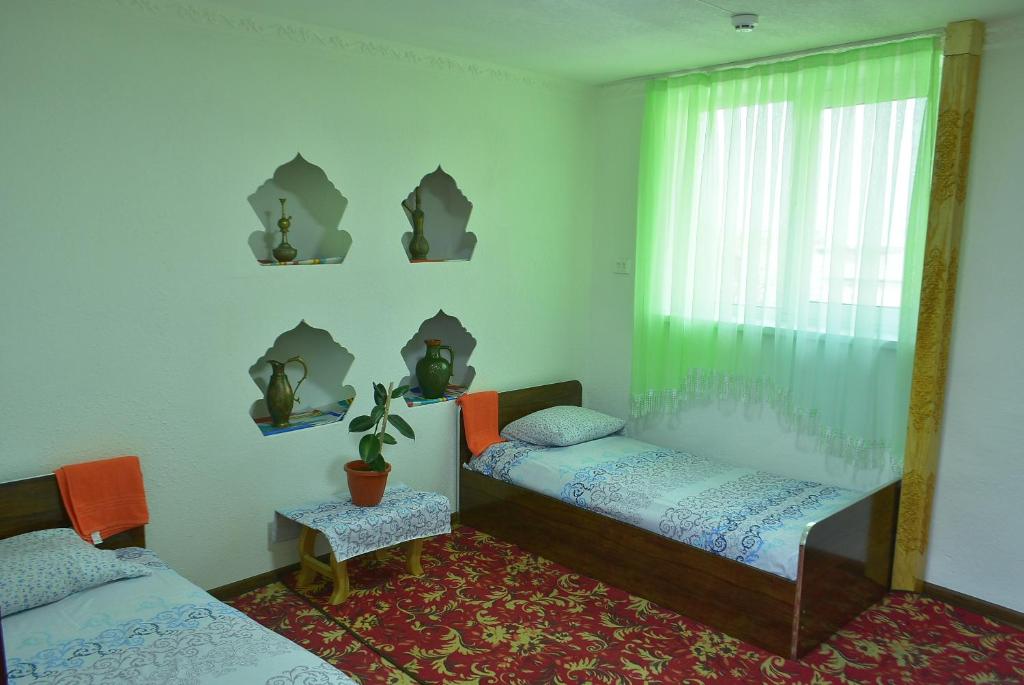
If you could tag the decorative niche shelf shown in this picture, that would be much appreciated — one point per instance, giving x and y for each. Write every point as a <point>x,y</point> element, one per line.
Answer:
<point>451,332</point>
<point>324,398</point>
<point>445,218</point>
<point>315,206</point>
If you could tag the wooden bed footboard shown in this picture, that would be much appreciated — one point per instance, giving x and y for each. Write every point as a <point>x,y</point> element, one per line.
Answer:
<point>740,600</point>
<point>845,565</point>
<point>845,560</point>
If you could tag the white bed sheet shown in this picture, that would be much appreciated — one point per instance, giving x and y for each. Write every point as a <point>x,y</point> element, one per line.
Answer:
<point>754,517</point>
<point>153,629</point>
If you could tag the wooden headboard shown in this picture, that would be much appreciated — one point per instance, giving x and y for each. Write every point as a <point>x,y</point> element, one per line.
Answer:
<point>516,404</point>
<point>35,504</point>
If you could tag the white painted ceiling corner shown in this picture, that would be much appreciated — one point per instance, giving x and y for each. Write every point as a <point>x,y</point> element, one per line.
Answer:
<point>601,41</point>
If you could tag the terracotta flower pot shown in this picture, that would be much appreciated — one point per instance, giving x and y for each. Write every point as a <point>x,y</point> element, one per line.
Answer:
<point>366,486</point>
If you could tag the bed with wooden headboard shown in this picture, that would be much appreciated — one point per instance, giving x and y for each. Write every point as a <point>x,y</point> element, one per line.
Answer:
<point>35,504</point>
<point>213,647</point>
<point>32,504</point>
<point>845,558</point>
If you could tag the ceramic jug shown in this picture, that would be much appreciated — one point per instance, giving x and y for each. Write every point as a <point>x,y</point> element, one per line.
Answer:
<point>280,396</point>
<point>434,371</point>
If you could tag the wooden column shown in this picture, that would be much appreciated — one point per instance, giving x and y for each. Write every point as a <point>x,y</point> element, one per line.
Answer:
<point>938,290</point>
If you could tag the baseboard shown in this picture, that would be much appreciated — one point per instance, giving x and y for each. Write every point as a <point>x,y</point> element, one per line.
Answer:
<point>239,587</point>
<point>995,612</point>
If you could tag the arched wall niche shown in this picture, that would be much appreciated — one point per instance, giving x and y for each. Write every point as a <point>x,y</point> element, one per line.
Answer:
<point>450,331</point>
<point>323,396</point>
<point>316,208</point>
<point>446,213</point>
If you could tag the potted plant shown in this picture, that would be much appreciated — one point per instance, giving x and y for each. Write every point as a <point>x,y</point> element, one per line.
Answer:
<point>368,475</point>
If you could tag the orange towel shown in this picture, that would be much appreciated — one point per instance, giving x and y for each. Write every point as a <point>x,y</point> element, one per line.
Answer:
<point>103,497</point>
<point>480,420</point>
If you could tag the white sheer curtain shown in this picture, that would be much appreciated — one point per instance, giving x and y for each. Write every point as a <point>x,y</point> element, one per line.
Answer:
<point>781,223</point>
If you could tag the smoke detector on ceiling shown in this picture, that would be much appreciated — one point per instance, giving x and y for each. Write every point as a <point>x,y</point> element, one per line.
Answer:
<point>744,23</point>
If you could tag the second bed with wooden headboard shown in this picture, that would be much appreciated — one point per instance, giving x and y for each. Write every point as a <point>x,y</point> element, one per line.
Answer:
<point>844,558</point>
<point>155,628</point>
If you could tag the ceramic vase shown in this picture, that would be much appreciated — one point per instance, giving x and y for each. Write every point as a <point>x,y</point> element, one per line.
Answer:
<point>434,372</point>
<point>419,248</point>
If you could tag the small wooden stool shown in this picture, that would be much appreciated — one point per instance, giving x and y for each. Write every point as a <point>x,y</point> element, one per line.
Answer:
<point>337,571</point>
<point>403,517</point>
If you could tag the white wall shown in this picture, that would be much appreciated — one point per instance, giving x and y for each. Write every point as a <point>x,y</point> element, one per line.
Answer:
<point>975,539</point>
<point>132,135</point>
<point>619,115</point>
<point>976,535</point>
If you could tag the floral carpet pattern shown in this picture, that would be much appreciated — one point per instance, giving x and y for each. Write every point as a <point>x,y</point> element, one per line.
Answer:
<point>487,612</point>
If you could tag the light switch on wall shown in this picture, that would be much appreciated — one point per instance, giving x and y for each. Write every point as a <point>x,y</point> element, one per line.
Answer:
<point>623,266</point>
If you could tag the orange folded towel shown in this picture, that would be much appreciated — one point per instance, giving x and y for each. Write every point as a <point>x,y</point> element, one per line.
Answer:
<point>103,497</point>
<point>480,420</point>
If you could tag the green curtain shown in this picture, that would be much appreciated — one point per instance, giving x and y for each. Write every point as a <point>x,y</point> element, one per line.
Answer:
<point>781,217</point>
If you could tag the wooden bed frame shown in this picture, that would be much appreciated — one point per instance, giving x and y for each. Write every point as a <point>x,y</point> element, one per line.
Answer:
<point>845,559</point>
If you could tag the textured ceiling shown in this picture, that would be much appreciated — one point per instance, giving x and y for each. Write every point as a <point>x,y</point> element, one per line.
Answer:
<point>597,41</point>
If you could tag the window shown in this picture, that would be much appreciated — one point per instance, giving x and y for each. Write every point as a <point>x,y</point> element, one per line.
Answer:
<point>851,264</point>
<point>857,225</point>
<point>781,213</point>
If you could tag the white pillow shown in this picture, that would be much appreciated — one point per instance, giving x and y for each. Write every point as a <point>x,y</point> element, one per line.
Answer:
<point>46,565</point>
<point>562,426</point>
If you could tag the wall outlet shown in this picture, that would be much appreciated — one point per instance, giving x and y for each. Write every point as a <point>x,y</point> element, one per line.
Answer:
<point>623,266</point>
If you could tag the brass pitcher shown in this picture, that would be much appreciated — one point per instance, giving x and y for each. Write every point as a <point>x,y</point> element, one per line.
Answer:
<point>280,397</point>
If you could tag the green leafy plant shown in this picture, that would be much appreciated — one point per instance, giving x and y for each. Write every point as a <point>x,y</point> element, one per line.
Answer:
<point>371,445</point>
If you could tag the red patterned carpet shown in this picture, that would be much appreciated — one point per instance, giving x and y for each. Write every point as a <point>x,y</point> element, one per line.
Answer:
<point>487,612</point>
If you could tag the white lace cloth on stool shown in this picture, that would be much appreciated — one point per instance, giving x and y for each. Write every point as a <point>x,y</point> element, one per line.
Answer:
<point>404,514</point>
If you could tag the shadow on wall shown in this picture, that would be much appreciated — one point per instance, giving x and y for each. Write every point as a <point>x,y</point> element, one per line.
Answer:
<point>315,205</point>
<point>328,364</point>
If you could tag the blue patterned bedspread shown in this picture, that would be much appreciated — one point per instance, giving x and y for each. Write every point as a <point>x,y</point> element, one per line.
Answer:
<point>754,517</point>
<point>153,629</point>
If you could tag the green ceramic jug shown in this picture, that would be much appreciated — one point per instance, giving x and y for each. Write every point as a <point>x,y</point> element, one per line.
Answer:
<point>434,371</point>
<point>280,396</point>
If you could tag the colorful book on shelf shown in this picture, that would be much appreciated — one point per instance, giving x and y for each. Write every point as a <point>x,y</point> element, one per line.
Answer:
<point>415,398</point>
<point>302,262</point>
<point>306,419</point>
